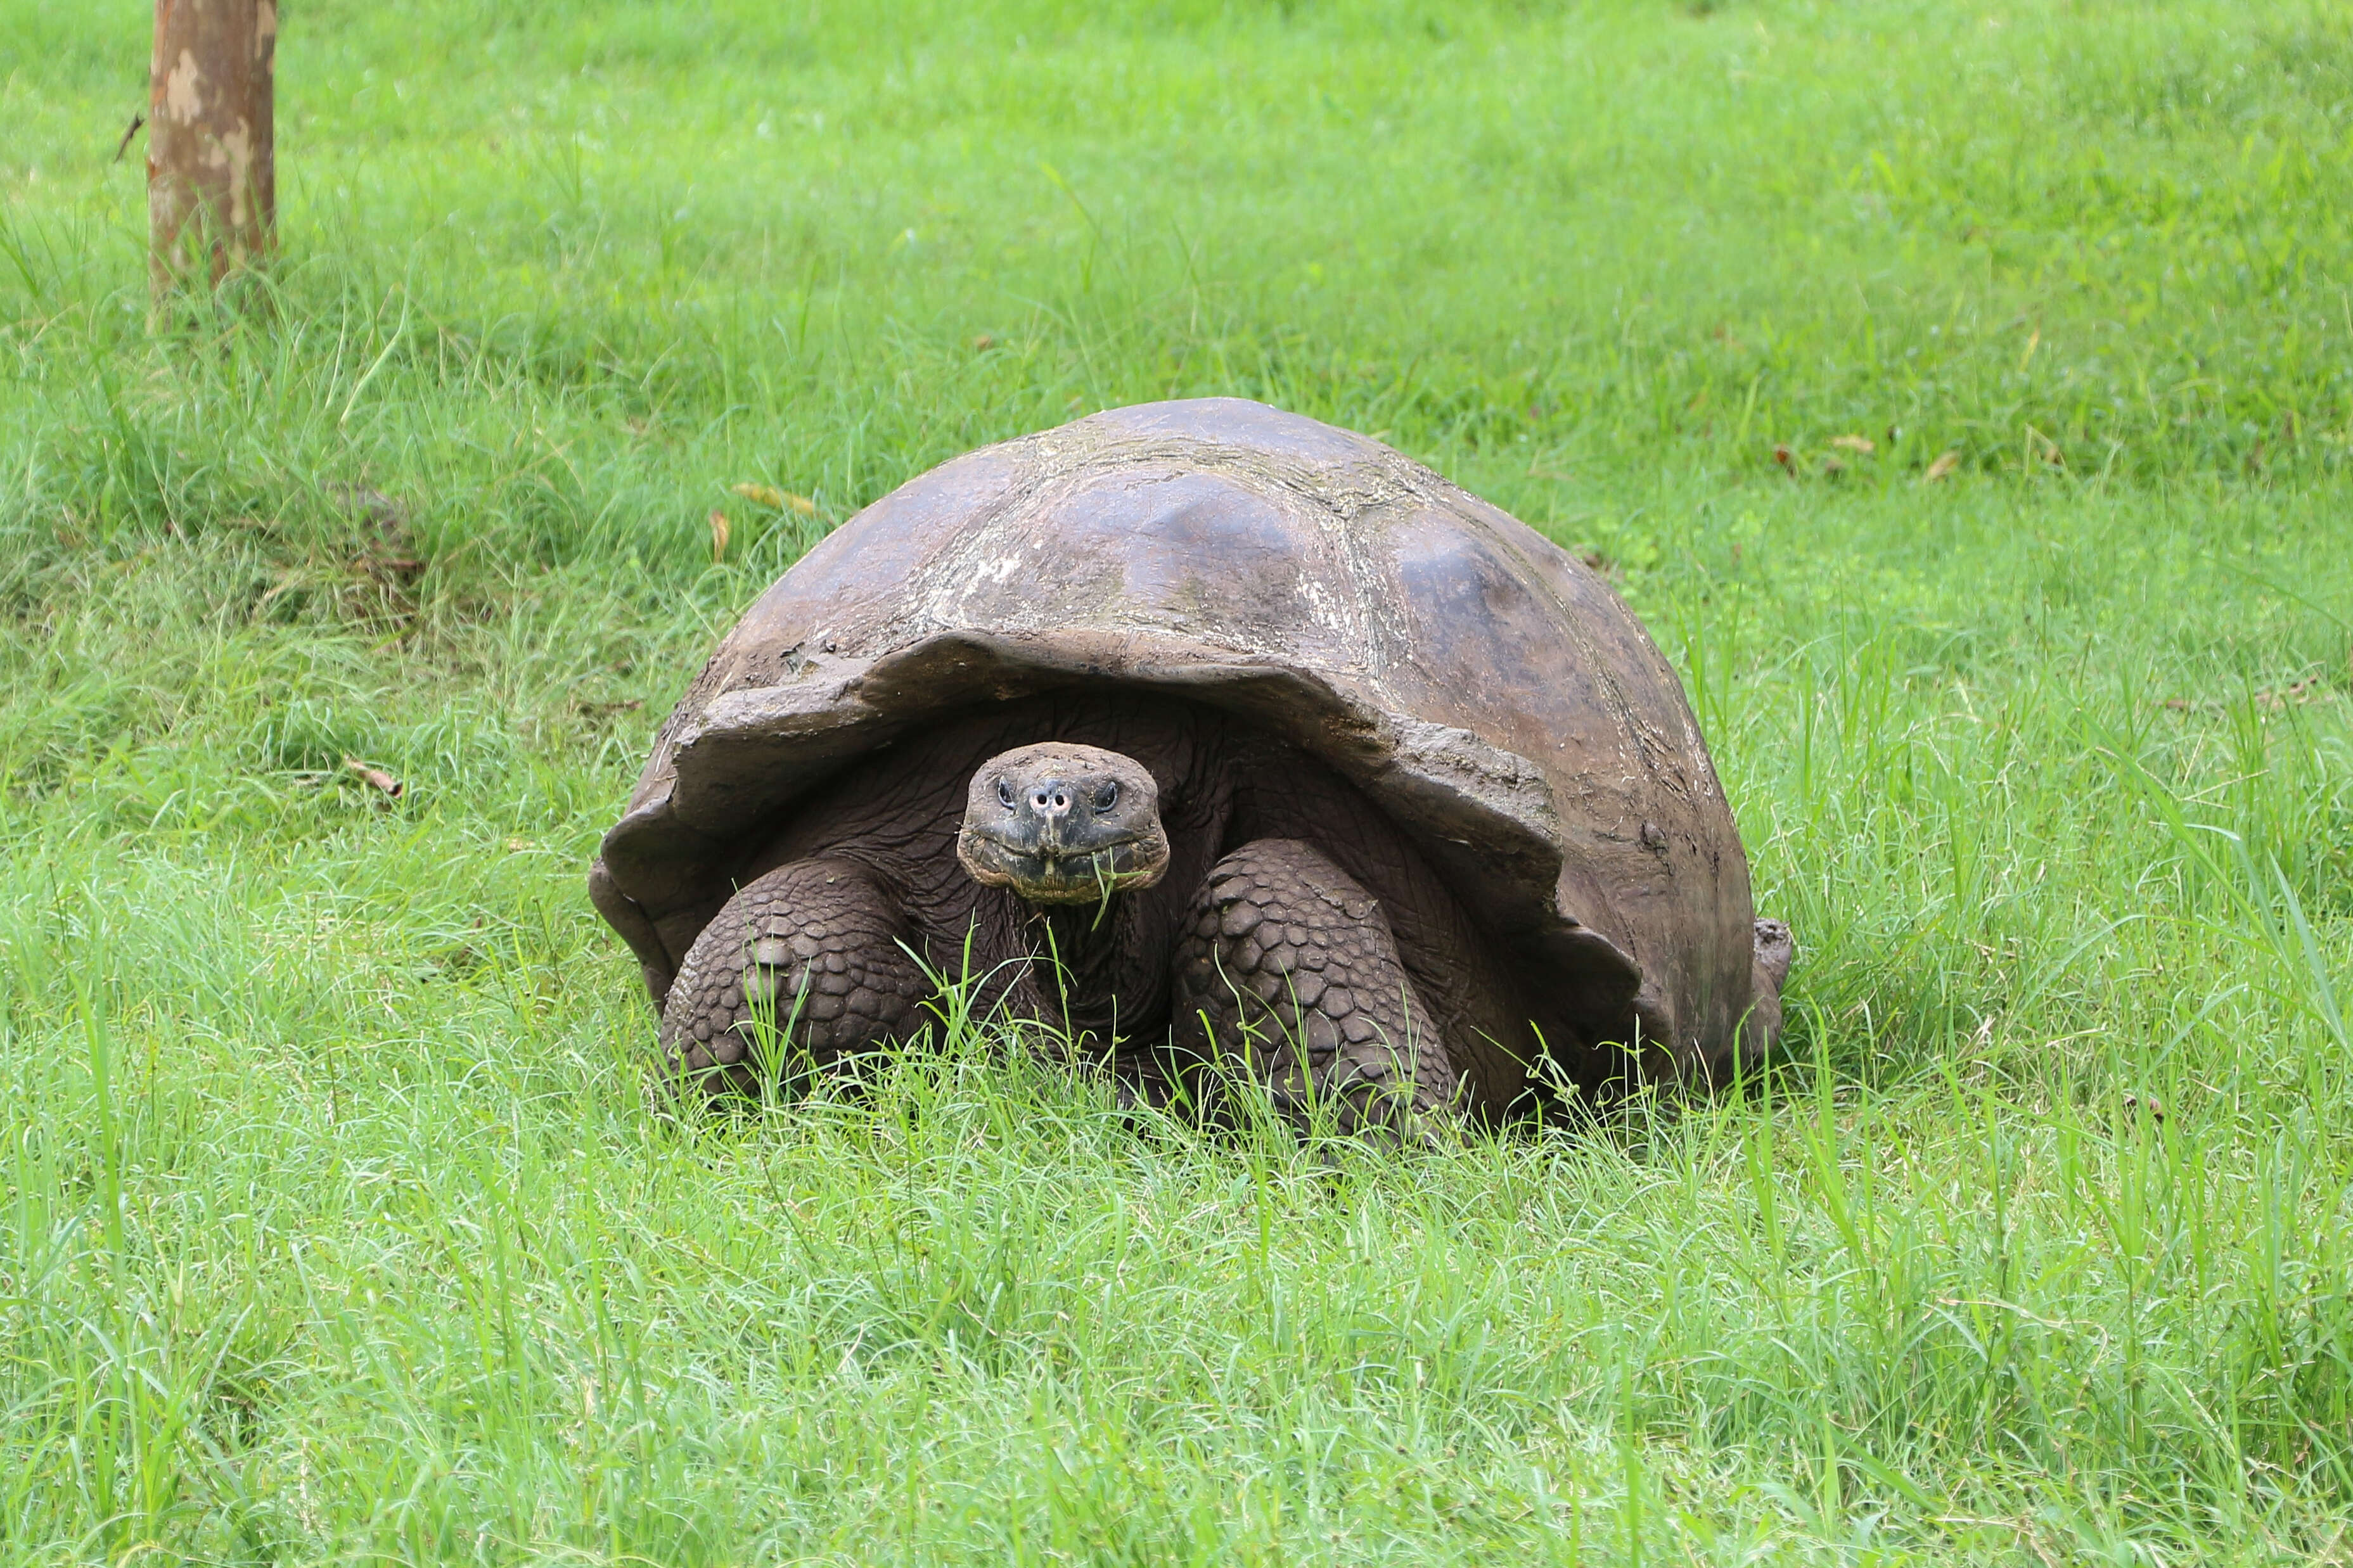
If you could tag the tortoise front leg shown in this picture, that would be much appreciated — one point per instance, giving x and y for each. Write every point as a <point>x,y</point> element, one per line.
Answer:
<point>1288,968</point>
<point>810,952</point>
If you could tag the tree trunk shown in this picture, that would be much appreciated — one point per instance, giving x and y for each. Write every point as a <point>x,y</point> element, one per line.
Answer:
<point>212,185</point>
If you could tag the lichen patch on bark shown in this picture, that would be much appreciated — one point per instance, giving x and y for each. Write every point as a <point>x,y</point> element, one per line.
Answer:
<point>184,98</point>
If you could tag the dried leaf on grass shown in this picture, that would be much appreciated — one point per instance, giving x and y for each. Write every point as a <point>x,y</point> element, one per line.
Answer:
<point>1863,443</point>
<point>2270,699</point>
<point>775,500</point>
<point>718,537</point>
<point>2303,691</point>
<point>389,555</point>
<point>375,778</point>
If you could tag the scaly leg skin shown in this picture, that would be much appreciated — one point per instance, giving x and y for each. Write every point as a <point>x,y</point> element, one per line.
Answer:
<point>1775,949</point>
<point>812,945</point>
<point>1286,956</point>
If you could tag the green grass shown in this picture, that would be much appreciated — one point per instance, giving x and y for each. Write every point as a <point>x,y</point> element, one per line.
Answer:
<point>332,1225</point>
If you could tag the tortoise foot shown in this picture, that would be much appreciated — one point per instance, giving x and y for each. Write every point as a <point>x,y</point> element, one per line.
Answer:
<point>1288,970</point>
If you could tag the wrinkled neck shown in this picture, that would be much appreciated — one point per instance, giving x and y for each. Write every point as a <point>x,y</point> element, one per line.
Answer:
<point>1083,964</point>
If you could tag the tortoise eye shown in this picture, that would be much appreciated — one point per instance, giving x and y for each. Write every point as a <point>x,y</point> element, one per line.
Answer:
<point>1005,795</point>
<point>1107,797</point>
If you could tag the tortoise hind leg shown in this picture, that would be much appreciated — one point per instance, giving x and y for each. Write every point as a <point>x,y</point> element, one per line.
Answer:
<point>1286,966</point>
<point>810,952</point>
<point>1761,1029</point>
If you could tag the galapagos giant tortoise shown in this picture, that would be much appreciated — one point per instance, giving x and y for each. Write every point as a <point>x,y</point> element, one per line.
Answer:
<point>1202,733</point>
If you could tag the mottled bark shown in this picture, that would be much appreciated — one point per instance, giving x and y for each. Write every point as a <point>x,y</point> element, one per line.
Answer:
<point>212,197</point>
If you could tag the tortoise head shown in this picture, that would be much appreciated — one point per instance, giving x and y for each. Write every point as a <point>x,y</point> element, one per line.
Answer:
<point>1063,823</point>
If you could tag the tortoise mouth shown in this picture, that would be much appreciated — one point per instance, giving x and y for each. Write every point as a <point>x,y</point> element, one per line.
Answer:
<point>1066,876</point>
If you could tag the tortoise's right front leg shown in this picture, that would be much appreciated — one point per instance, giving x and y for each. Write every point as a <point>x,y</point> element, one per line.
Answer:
<point>810,952</point>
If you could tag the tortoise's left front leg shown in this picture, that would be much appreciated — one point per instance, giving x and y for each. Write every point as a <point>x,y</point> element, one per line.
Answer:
<point>1288,968</point>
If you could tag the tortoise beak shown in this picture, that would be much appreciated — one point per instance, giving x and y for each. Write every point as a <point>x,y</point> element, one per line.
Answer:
<point>1068,876</point>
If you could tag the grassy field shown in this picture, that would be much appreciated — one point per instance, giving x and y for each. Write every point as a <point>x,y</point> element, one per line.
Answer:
<point>332,1225</point>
